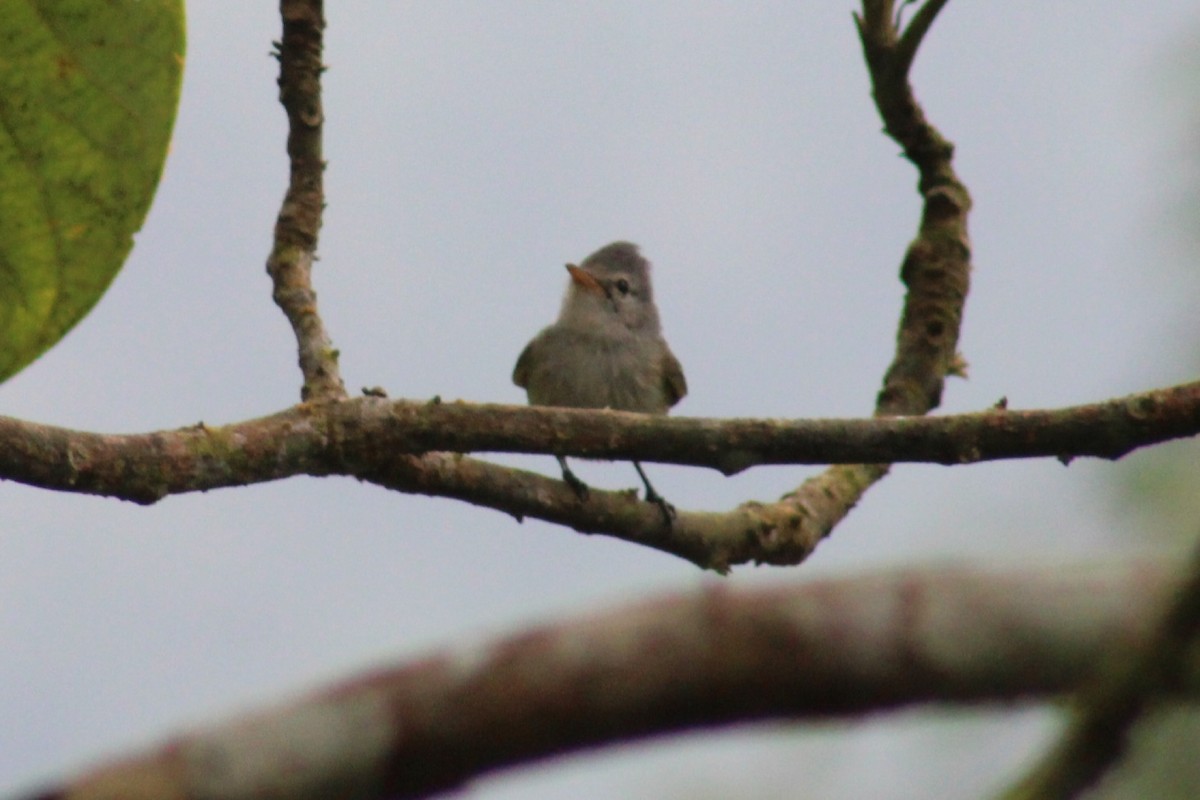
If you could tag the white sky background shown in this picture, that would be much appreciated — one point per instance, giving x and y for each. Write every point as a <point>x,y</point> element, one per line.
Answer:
<point>473,149</point>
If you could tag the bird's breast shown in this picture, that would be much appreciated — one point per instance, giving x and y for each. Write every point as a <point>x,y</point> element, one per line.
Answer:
<point>579,369</point>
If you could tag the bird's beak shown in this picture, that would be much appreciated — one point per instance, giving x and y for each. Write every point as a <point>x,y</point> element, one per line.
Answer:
<point>584,280</point>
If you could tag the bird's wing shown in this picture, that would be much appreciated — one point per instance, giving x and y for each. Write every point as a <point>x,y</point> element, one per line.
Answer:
<point>673,381</point>
<point>520,374</point>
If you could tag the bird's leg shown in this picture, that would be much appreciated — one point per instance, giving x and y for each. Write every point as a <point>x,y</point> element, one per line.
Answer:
<point>652,496</point>
<point>571,479</point>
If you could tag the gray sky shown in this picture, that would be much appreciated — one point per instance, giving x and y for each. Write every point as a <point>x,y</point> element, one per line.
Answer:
<point>473,149</point>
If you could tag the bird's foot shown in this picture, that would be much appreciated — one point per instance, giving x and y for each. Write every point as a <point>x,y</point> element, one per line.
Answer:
<point>668,510</point>
<point>569,478</point>
<point>579,487</point>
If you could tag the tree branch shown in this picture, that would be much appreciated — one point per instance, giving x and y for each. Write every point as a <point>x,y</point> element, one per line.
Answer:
<point>698,660</point>
<point>299,221</point>
<point>403,445</point>
<point>330,435</point>
<point>1135,677</point>
<point>936,268</point>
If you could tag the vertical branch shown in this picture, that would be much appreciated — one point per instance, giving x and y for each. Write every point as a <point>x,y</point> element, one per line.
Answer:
<point>936,271</point>
<point>299,221</point>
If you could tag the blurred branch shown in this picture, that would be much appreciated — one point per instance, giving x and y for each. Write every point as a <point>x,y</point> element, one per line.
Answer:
<point>1137,675</point>
<point>417,447</point>
<point>703,659</point>
<point>299,222</point>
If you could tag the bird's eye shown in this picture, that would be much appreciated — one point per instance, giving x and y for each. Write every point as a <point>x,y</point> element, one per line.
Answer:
<point>622,286</point>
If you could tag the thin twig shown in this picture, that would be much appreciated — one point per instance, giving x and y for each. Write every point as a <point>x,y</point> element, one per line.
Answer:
<point>915,32</point>
<point>299,222</point>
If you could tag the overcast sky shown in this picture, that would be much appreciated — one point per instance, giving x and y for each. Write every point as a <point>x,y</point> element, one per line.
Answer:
<point>473,149</point>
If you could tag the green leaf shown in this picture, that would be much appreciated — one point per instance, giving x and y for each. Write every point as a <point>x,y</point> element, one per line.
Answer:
<point>88,94</point>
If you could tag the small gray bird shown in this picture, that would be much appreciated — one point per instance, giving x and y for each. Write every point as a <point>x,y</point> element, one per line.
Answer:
<point>606,349</point>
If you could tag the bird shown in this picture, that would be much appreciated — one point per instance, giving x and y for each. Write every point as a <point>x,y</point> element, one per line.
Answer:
<point>605,350</point>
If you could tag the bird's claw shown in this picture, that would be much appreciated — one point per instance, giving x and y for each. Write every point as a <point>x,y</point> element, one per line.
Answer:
<point>570,479</point>
<point>579,487</point>
<point>668,510</point>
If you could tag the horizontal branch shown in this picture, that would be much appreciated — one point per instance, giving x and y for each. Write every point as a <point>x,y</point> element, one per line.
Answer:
<point>1108,429</point>
<point>703,659</point>
<point>416,447</point>
<point>361,436</point>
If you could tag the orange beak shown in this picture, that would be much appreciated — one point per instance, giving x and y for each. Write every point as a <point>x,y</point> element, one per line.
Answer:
<point>584,280</point>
